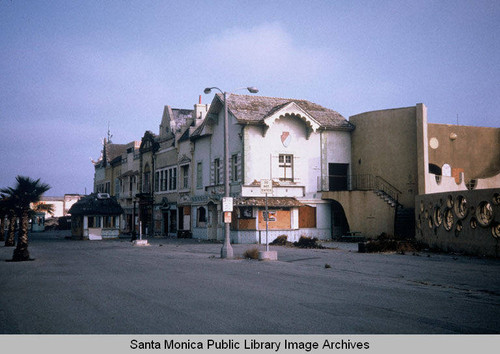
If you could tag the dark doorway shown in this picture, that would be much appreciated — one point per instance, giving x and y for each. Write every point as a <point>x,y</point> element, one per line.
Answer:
<point>340,226</point>
<point>165,223</point>
<point>337,176</point>
<point>173,221</point>
<point>181,218</point>
<point>129,223</point>
<point>145,216</point>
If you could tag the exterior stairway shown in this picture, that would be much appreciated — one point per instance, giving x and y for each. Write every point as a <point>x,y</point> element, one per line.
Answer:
<point>404,220</point>
<point>386,197</point>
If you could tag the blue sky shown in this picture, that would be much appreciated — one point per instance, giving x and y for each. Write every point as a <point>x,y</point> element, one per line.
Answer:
<point>70,68</point>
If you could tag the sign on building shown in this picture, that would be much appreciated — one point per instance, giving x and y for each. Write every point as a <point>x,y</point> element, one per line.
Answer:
<point>227,204</point>
<point>266,186</point>
<point>269,215</point>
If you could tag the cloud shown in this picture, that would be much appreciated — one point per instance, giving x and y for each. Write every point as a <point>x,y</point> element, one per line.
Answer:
<point>263,52</point>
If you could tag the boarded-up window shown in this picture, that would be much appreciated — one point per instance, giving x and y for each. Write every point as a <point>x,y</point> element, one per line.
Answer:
<point>283,220</point>
<point>246,224</point>
<point>307,217</point>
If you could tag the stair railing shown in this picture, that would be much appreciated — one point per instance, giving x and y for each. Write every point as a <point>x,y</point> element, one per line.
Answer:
<point>362,182</point>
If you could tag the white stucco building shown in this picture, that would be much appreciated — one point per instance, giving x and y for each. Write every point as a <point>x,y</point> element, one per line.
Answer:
<point>294,143</point>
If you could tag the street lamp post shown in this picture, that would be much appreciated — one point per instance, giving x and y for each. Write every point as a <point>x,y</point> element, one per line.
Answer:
<point>134,237</point>
<point>227,250</point>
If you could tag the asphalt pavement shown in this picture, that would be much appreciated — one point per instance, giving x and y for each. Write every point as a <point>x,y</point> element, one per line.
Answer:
<point>182,286</point>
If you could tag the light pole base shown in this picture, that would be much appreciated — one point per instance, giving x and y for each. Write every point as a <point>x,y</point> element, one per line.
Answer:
<point>141,243</point>
<point>226,251</point>
<point>268,256</point>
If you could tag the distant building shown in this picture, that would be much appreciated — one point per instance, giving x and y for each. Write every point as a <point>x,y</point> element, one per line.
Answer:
<point>61,204</point>
<point>96,216</point>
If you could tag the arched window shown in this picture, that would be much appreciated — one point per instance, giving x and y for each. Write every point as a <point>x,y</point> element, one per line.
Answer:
<point>202,215</point>
<point>146,179</point>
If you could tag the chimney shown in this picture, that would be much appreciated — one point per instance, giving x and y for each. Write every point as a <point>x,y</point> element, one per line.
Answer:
<point>200,110</point>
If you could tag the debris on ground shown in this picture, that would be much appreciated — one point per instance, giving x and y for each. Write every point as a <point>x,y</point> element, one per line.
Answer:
<point>252,253</point>
<point>303,242</point>
<point>281,241</point>
<point>308,242</point>
<point>389,243</point>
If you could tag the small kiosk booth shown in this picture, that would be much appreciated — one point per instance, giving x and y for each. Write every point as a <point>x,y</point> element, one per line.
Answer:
<point>38,222</point>
<point>95,217</point>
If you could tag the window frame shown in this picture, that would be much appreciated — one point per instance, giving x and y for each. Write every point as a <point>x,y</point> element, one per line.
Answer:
<point>167,179</point>
<point>234,168</point>
<point>199,175</point>
<point>284,165</point>
<point>217,172</point>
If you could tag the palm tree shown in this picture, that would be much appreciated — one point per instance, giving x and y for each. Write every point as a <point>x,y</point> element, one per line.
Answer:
<point>43,208</point>
<point>3,214</point>
<point>7,210</point>
<point>10,241</point>
<point>25,192</point>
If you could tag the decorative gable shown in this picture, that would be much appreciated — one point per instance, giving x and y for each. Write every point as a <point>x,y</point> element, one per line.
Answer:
<point>291,109</point>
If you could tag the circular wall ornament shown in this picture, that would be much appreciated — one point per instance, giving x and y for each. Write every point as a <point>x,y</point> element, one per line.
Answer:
<point>461,207</point>
<point>496,199</point>
<point>434,143</point>
<point>449,201</point>
<point>458,228</point>
<point>495,230</point>
<point>437,216</point>
<point>484,213</point>
<point>473,223</point>
<point>448,219</point>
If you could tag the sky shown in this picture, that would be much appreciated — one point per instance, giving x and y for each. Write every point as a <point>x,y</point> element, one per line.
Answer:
<point>70,69</point>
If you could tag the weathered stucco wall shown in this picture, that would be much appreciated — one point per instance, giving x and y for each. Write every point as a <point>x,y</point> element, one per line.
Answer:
<point>202,154</point>
<point>476,150</point>
<point>365,212</point>
<point>261,152</point>
<point>384,144</point>
<point>464,221</point>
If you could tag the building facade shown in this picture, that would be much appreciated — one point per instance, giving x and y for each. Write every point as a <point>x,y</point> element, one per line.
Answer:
<point>290,142</point>
<point>330,176</point>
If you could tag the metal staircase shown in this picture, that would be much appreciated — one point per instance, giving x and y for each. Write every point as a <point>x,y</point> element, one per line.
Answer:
<point>378,185</point>
<point>387,198</point>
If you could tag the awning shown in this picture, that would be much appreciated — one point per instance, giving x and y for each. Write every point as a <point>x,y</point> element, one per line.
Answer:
<point>272,202</point>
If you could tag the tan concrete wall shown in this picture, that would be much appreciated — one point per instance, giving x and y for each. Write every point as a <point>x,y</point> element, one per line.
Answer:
<point>476,150</point>
<point>443,221</point>
<point>365,212</point>
<point>384,144</point>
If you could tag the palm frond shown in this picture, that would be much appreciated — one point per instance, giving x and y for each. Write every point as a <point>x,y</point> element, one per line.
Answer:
<point>47,208</point>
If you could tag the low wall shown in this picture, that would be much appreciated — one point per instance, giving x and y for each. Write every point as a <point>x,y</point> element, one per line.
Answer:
<point>462,221</point>
<point>110,233</point>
